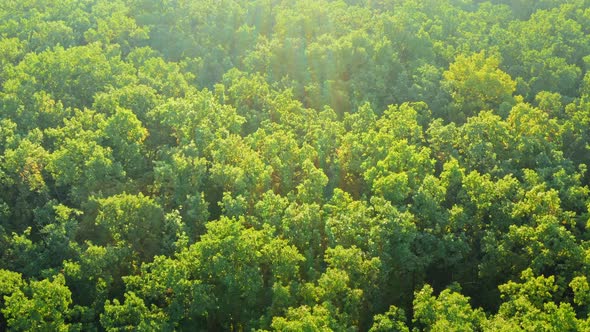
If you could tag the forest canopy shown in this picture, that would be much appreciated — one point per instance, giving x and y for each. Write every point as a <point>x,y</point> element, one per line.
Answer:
<point>294,165</point>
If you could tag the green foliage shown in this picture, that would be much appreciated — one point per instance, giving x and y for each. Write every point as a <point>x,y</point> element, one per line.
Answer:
<point>127,316</point>
<point>42,305</point>
<point>476,83</point>
<point>137,223</point>
<point>392,320</point>
<point>529,306</point>
<point>304,318</point>
<point>294,165</point>
<point>10,282</point>
<point>448,311</point>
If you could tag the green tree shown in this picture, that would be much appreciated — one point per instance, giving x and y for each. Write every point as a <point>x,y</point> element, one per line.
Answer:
<point>10,282</point>
<point>392,320</point>
<point>306,319</point>
<point>137,223</point>
<point>529,306</point>
<point>241,268</point>
<point>448,311</point>
<point>41,305</point>
<point>130,315</point>
<point>476,83</point>
<point>125,135</point>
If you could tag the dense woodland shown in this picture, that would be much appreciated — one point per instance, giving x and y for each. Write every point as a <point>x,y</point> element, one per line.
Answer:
<point>282,165</point>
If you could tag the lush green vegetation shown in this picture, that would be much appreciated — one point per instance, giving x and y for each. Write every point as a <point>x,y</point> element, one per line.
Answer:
<point>371,165</point>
